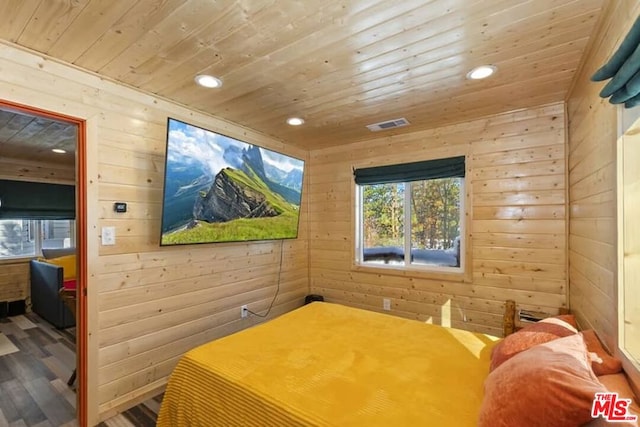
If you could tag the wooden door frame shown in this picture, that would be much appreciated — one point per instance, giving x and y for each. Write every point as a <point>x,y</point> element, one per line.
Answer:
<point>81,247</point>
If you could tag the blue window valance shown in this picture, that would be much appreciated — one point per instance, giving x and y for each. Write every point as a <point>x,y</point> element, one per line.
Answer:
<point>451,167</point>
<point>35,200</point>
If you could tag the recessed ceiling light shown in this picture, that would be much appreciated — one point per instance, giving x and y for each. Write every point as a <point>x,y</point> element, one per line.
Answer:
<point>481,72</point>
<point>208,81</point>
<point>295,121</point>
<point>58,150</point>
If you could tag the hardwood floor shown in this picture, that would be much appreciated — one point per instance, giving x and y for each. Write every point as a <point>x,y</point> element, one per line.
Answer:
<point>36,361</point>
<point>143,415</point>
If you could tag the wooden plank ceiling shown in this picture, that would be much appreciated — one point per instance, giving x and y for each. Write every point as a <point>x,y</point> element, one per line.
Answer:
<point>338,64</point>
<point>26,137</point>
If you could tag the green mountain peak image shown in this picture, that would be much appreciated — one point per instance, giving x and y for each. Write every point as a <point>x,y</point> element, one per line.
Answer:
<point>255,194</point>
<point>234,195</point>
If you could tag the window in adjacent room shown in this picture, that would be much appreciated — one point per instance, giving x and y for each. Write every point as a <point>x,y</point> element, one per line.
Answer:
<point>411,215</point>
<point>21,238</point>
<point>17,238</point>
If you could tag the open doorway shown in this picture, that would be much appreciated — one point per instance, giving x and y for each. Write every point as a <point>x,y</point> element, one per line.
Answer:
<point>42,267</point>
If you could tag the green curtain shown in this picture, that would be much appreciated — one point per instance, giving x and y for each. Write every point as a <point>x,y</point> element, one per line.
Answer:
<point>430,169</point>
<point>34,200</point>
<point>623,68</point>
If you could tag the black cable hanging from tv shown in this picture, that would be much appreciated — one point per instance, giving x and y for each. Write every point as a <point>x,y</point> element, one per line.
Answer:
<point>277,286</point>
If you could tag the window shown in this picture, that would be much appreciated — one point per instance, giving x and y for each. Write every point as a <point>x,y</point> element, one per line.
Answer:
<point>27,238</point>
<point>629,236</point>
<point>16,238</point>
<point>411,215</point>
<point>57,233</point>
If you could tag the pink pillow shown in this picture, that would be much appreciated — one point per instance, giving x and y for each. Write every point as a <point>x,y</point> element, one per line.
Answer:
<point>537,333</point>
<point>603,363</point>
<point>549,385</point>
<point>566,318</point>
<point>69,284</point>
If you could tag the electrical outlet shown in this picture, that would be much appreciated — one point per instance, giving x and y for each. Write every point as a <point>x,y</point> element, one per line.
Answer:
<point>386,304</point>
<point>108,236</point>
<point>244,311</point>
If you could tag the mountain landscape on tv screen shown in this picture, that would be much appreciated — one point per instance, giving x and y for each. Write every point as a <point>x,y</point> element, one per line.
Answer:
<point>218,189</point>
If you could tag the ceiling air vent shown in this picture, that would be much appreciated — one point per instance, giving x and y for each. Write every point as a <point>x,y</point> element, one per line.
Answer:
<point>389,124</point>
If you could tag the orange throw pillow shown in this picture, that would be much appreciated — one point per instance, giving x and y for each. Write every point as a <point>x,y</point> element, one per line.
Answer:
<point>549,385</point>
<point>538,333</point>
<point>604,363</point>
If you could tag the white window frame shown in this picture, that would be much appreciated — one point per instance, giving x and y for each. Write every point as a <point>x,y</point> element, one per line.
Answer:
<point>359,234</point>
<point>627,118</point>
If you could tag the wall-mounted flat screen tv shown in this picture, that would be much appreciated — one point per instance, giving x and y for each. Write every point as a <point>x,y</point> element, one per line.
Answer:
<point>220,189</point>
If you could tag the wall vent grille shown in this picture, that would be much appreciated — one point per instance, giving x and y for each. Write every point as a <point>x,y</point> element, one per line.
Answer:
<point>389,124</point>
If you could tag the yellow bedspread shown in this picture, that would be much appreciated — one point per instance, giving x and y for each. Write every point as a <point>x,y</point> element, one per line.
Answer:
<point>329,365</point>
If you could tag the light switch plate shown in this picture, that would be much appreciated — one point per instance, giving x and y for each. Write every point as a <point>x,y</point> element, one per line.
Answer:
<point>108,236</point>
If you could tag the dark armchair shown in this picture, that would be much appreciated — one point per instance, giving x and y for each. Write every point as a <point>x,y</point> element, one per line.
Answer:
<point>46,282</point>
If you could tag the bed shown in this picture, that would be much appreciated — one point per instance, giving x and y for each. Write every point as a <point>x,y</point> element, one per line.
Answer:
<point>330,365</point>
<point>326,364</point>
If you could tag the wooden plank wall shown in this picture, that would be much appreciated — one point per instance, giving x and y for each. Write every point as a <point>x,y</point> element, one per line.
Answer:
<point>148,305</point>
<point>592,135</point>
<point>25,170</point>
<point>516,180</point>
<point>14,280</point>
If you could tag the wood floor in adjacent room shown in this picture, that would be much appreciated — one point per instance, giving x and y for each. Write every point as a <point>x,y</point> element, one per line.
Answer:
<point>36,361</point>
